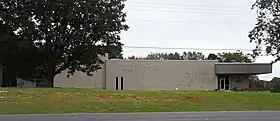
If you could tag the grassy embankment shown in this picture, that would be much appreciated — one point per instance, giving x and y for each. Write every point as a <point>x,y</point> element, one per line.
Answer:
<point>41,101</point>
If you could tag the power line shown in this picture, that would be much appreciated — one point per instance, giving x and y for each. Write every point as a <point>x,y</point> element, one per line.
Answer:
<point>186,5</point>
<point>180,7</point>
<point>169,48</point>
<point>189,12</point>
<point>173,21</point>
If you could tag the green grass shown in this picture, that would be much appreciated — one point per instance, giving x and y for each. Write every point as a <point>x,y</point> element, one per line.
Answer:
<point>54,101</point>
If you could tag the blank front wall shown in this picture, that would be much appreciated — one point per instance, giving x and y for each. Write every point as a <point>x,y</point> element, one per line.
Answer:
<point>161,75</point>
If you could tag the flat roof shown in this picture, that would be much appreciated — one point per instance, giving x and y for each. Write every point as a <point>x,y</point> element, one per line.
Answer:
<point>163,60</point>
<point>243,63</point>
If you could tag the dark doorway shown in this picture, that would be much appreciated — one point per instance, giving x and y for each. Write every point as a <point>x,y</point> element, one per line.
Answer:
<point>223,82</point>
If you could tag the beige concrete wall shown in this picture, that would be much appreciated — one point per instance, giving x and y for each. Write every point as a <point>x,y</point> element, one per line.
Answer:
<point>81,80</point>
<point>244,83</point>
<point>161,75</point>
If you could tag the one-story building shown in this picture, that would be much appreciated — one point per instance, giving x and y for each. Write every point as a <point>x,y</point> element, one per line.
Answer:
<point>166,75</point>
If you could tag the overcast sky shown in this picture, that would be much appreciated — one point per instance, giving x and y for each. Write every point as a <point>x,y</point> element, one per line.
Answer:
<point>206,24</point>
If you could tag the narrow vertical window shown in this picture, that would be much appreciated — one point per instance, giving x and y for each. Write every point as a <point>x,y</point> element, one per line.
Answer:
<point>117,83</point>
<point>121,83</point>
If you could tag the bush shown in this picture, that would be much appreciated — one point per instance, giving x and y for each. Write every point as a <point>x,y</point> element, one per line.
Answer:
<point>276,89</point>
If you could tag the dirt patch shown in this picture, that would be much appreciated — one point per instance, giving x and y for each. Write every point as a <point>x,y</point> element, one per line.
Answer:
<point>27,98</point>
<point>64,95</point>
<point>141,98</point>
<point>2,98</point>
<point>61,96</point>
<point>192,98</point>
<point>133,98</point>
<point>103,97</point>
<point>107,97</point>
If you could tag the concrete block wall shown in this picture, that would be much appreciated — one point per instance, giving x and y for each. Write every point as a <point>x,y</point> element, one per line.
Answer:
<point>146,75</point>
<point>161,75</point>
<point>81,80</point>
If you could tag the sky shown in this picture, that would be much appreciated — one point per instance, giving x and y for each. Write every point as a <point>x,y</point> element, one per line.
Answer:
<point>219,24</point>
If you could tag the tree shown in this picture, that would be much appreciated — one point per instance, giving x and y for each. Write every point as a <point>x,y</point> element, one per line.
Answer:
<point>275,84</point>
<point>266,31</point>
<point>135,58</point>
<point>115,50</point>
<point>238,56</point>
<point>164,56</point>
<point>69,34</point>
<point>193,56</point>
<point>257,84</point>
<point>172,56</point>
<point>229,57</point>
<point>212,56</point>
<point>15,55</point>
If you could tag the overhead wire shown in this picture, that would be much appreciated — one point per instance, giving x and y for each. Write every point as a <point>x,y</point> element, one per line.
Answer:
<point>176,48</point>
<point>186,5</point>
<point>183,10</point>
<point>189,12</point>
<point>217,8</point>
<point>174,6</point>
<point>186,21</point>
<point>224,9</point>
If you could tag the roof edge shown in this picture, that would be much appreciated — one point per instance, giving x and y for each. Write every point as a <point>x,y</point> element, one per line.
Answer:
<point>243,63</point>
<point>164,60</point>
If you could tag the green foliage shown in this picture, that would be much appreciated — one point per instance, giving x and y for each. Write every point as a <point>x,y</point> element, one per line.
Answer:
<point>275,85</point>
<point>171,56</point>
<point>266,31</point>
<point>164,56</point>
<point>135,58</point>
<point>238,56</point>
<point>15,54</point>
<point>229,57</point>
<point>68,34</point>
<point>193,56</point>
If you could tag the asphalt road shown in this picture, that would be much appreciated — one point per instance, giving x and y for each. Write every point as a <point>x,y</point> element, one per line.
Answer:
<point>201,116</point>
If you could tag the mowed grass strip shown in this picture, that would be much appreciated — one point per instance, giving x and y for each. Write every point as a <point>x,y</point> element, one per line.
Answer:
<point>57,101</point>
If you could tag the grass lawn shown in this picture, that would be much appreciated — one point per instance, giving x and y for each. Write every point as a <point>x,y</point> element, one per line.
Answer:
<point>41,101</point>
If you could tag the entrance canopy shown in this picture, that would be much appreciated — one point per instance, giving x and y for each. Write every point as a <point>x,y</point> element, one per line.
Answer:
<point>243,68</point>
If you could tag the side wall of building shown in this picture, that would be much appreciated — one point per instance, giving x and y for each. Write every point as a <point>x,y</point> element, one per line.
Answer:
<point>161,75</point>
<point>81,80</point>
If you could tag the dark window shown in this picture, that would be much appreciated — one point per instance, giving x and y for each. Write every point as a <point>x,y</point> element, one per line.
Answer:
<point>117,83</point>
<point>239,80</point>
<point>121,83</point>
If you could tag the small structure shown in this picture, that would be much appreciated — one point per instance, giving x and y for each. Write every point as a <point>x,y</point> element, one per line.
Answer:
<point>166,75</point>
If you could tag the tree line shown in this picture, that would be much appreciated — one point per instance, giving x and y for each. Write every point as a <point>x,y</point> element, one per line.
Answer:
<point>226,57</point>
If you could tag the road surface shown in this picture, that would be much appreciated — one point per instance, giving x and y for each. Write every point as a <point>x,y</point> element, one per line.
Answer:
<point>201,116</point>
